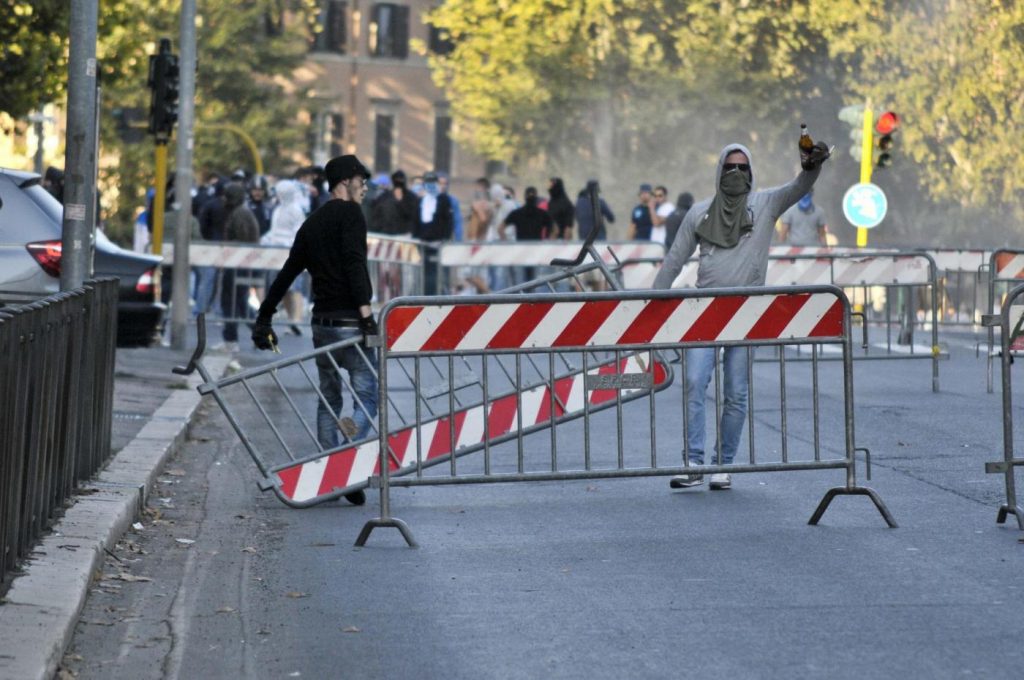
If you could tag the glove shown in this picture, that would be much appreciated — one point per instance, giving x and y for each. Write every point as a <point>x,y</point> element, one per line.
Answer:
<point>368,325</point>
<point>815,157</point>
<point>263,335</point>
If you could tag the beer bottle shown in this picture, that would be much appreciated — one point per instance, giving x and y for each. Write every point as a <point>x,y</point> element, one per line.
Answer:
<point>806,144</point>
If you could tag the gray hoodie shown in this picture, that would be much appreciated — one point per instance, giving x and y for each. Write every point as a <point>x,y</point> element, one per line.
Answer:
<point>746,264</point>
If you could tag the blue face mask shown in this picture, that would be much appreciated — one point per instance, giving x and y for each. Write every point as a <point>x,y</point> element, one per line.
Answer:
<point>805,203</point>
<point>432,188</point>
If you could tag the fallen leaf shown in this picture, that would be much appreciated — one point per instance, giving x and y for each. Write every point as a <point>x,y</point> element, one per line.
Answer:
<point>66,674</point>
<point>321,545</point>
<point>137,526</point>
<point>249,549</point>
<point>176,472</point>
<point>296,594</point>
<point>350,629</point>
<point>225,610</point>
<point>131,578</point>
<point>185,541</point>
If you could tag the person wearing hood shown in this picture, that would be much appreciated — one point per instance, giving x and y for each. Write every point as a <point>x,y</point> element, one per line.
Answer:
<point>531,223</point>
<point>285,221</point>
<point>561,210</point>
<point>240,227</point>
<point>433,224</point>
<point>585,217</point>
<point>683,204</point>
<point>804,223</point>
<point>733,230</point>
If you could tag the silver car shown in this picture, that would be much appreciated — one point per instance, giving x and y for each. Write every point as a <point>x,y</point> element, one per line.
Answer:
<point>30,257</point>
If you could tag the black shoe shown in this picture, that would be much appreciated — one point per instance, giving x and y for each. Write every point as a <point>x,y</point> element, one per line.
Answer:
<point>295,330</point>
<point>686,481</point>
<point>356,497</point>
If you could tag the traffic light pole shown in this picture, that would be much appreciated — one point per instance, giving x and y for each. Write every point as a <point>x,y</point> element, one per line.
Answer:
<point>866,163</point>
<point>160,198</point>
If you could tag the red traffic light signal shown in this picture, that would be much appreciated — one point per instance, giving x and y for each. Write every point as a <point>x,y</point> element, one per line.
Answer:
<point>887,123</point>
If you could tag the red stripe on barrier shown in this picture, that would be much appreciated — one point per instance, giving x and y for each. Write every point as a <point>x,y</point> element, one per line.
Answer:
<point>398,321</point>
<point>563,388</point>
<point>399,443</point>
<point>649,321</point>
<point>289,480</point>
<point>715,318</point>
<point>544,412</point>
<point>441,443</point>
<point>503,412</point>
<point>777,316</point>
<point>519,326</point>
<point>585,323</point>
<point>831,324</point>
<point>337,471</point>
<point>454,327</point>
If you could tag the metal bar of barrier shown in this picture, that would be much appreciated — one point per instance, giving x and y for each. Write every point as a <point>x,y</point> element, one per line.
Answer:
<point>1011,324</point>
<point>627,325</point>
<point>1006,267</point>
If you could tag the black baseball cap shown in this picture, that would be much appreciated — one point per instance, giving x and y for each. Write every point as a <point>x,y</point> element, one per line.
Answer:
<point>344,167</point>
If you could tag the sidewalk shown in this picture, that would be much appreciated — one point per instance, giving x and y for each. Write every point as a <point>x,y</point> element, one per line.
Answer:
<point>153,409</point>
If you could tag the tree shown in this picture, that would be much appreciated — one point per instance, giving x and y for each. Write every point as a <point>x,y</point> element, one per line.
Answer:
<point>33,54</point>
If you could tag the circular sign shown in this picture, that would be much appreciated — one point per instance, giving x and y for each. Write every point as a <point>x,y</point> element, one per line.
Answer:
<point>865,205</point>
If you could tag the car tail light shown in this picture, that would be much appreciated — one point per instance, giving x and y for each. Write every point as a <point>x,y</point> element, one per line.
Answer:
<point>146,282</point>
<point>46,255</point>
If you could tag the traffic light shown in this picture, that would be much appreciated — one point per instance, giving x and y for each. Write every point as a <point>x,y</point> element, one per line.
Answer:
<point>854,117</point>
<point>886,126</point>
<point>164,82</point>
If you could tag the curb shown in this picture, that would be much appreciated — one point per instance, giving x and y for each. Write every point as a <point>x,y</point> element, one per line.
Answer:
<point>41,610</point>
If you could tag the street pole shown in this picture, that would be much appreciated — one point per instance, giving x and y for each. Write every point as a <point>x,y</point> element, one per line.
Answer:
<point>183,176</point>
<point>80,157</point>
<point>866,162</point>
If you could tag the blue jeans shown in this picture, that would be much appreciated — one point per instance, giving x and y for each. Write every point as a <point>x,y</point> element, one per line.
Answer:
<point>700,365</point>
<point>206,288</point>
<point>361,379</point>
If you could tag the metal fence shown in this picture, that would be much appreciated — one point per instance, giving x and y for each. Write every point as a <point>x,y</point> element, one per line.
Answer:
<point>1006,269</point>
<point>57,375</point>
<point>635,328</point>
<point>1011,324</point>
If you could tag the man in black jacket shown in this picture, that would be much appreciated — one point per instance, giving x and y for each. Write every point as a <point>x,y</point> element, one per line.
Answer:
<point>434,221</point>
<point>331,245</point>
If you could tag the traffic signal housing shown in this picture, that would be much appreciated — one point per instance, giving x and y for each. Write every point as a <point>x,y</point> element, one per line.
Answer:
<point>854,116</point>
<point>886,126</point>
<point>163,81</point>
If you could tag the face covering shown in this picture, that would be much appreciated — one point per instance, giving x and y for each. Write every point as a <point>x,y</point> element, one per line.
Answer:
<point>805,203</point>
<point>432,188</point>
<point>727,218</point>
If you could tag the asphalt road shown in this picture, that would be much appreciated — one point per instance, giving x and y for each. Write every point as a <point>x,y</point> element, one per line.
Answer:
<point>589,579</point>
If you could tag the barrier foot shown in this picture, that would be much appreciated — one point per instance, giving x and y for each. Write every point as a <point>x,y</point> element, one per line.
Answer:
<point>853,491</point>
<point>1014,510</point>
<point>393,522</point>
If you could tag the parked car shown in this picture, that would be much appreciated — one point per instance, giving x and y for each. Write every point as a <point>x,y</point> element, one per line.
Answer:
<point>30,257</point>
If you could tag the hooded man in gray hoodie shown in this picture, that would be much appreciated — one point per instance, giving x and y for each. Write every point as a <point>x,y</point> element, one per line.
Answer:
<point>734,231</point>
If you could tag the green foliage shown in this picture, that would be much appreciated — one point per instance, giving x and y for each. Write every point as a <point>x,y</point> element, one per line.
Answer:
<point>653,88</point>
<point>33,53</point>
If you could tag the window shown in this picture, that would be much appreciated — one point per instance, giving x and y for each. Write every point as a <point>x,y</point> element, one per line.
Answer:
<point>442,143</point>
<point>331,30</point>
<point>336,132</point>
<point>389,31</point>
<point>440,42</point>
<point>383,139</point>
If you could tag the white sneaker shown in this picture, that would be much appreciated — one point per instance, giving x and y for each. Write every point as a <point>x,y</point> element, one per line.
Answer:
<point>720,480</point>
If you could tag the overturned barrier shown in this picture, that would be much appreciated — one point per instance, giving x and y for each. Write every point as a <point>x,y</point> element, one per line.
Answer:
<point>633,327</point>
<point>1011,324</point>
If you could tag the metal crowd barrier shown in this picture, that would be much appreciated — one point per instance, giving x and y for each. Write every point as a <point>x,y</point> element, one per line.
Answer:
<point>57,370</point>
<point>634,327</point>
<point>1011,324</point>
<point>962,278</point>
<point>1006,268</point>
<point>898,274</point>
<point>484,267</point>
<point>396,268</point>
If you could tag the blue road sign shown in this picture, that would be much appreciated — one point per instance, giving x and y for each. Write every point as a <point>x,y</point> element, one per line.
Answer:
<point>865,205</point>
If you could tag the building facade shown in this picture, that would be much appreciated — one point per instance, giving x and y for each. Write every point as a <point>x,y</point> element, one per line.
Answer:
<point>371,91</point>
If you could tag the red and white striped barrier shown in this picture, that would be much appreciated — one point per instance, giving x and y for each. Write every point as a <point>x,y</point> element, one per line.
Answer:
<point>379,249</point>
<point>539,253</point>
<point>1009,265</point>
<point>441,328</point>
<point>350,468</point>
